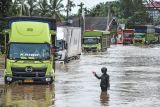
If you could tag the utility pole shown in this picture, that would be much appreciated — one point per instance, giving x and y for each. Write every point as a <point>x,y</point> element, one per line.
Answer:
<point>108,16</point>
<point>81,7</point>
<point>80,16</point>
<point>68,3</point>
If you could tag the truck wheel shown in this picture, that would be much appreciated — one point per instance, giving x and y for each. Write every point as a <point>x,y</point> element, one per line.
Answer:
<point>78,57</point>
<point>66,60</point>
<point>7,82</point>
<point>51,81</point>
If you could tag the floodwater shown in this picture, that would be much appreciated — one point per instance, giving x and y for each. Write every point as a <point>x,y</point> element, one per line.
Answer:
<point>134,78</point>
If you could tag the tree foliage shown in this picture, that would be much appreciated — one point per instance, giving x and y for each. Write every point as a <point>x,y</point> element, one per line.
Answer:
<point>43,8</point>
<point>4,7</point>
<point>126,11</point>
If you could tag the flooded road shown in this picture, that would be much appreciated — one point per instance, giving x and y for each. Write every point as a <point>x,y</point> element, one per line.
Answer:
<point>134,79</point>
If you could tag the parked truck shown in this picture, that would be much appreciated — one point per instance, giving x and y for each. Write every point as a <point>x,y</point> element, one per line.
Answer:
<point>28,51</point>
<point>96,41</point>
<point>139,38</point>
<point>125,36</point>
<point>148,31</point>
<point>68,43</point>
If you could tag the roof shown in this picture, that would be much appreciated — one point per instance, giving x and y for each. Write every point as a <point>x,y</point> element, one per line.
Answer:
<point>92,23</point>
<point>96,33</point>
<point>50,21</point>
<point>155,4</point>
<point>30,32</point>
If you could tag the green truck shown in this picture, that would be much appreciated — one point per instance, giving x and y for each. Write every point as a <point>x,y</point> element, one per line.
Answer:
<point>145,34</point>
<point>29,55</point>
<point>95,41</point>
<point>139,38</point>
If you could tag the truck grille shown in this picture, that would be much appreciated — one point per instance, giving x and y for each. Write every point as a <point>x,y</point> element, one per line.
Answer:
<point>138,41</point>
<point>90,49</point>
<point>21,72</point>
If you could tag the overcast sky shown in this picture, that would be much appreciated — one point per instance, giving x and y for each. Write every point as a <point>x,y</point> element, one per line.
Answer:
<point>87,3</point>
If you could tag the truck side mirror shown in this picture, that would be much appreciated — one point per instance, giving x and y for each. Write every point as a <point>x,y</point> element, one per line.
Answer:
<point>66,46</point>
<point>53,50</point>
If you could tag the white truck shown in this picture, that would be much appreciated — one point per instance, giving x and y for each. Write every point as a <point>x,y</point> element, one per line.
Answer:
<point>68,43</point>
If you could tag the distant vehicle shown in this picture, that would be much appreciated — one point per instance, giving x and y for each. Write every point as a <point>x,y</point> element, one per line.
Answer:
<point>119,37</point>
<point>29,57</point>
<point>139,38</point>
<point>68,43</point>
<point>125,36</point>
<point>96,41</point>
<point>149,31</point>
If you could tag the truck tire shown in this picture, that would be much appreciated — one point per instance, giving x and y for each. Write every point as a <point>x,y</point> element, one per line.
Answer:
<point>78,57</point>
<point>51,81</point>
<point>6,82</point>
<point>66,60</point>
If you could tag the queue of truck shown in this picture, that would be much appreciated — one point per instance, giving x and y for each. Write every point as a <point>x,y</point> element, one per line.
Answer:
<point>140,34</point>
<point>32,45</point>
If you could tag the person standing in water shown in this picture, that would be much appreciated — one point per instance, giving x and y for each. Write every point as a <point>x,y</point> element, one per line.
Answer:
<point>105,82</point>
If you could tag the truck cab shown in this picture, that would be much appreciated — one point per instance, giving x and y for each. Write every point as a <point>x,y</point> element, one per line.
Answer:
<point>95,41</point>
<point>128,36</point>
<point>139,38</point>
<point>28,57</point>
<point>125,36</point>
<point>91,44</point>
<point>68,43</point>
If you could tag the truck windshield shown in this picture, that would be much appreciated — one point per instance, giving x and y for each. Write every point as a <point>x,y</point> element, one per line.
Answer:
<point>139,35</point>
<point>127,35</point>
<point>90,40</point>
<point>29,51</point>
<point>59,44</point>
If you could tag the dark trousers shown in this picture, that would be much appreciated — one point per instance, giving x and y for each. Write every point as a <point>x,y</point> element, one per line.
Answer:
<point>103,89</point>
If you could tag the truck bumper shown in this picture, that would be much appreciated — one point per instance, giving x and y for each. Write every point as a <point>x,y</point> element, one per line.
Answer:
<point>11,79</point>
<point>94,49</point>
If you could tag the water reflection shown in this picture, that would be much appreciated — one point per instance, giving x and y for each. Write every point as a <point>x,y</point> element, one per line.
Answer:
<point>104,98</point>
<point>29,96</point>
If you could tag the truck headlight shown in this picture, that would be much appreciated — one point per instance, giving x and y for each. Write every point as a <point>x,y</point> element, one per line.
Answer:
<point>9,78</point>
<point>48,79</point>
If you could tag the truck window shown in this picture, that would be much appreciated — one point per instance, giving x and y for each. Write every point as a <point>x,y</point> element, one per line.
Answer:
<point>127,35</point>
<point>29,51</point>
<point>60,44</point>
<point>90,40</point>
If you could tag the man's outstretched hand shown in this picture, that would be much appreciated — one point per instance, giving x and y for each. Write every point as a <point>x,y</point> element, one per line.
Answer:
<point>94,72</point>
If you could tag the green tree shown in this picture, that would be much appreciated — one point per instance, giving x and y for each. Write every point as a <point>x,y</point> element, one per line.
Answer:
<point>32,6</point>
<point>56,7</point>
<point>14,10</point>
<point>24,10</point>
<point>4,7</point>
<point>140,16</point>
<point>127,8</point>
<point>69,7</point>
<point>43,8</point>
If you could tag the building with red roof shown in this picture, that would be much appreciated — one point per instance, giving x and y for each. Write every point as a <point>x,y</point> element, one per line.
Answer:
<point>153,9</point>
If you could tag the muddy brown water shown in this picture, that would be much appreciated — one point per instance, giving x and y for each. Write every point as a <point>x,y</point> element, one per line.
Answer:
<point>134,77</point>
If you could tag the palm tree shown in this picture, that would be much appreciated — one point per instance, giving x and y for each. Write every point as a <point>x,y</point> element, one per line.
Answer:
<point>32,6</point>
<point>55,9</point>
<point>4,7</point>
<point>24,10</point>
<point>43,8</point>
<point>69,7</point>
<point>14,9</point>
